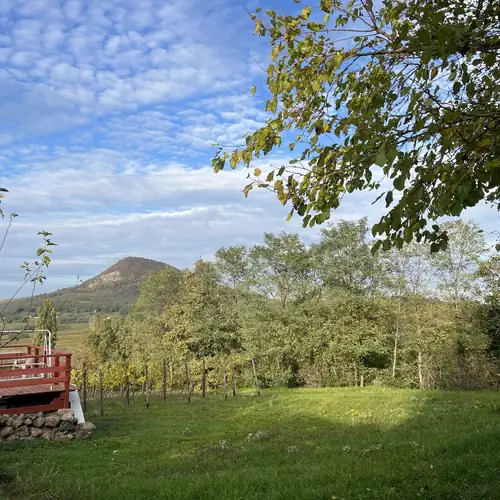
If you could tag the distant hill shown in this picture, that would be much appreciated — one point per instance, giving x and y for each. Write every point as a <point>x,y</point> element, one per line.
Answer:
<point>114,290</point>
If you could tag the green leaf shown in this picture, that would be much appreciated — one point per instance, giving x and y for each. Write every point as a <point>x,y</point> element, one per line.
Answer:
<point>253,90</point>
<point>391,155</point>
<point>337,60</point>
<point>375,247</point>
<point>380,159</point>
<point>399,183</point>
<point>306,12</point>
<point>388,198</point>
<point>247,189</point>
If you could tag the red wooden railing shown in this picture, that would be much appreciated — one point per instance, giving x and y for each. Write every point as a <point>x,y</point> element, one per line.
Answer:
<point>40,373</point>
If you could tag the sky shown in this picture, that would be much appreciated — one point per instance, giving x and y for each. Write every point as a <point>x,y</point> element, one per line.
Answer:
<point>108,116</point>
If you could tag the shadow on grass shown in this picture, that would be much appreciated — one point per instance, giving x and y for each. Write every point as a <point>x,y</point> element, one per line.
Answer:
<point>332,444</point>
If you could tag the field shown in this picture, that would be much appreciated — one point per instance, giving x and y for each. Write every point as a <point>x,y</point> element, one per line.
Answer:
<point>69,335</point>
<point>341,444</point>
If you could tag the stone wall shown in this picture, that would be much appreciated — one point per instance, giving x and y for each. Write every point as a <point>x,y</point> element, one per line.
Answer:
<point>60,425</point>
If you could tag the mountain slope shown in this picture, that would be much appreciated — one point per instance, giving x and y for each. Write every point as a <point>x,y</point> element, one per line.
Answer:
<point>114,290</point>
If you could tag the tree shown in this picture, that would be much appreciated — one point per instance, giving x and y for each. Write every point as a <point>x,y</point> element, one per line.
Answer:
<point>404,90</point>
<point>46,320</point>
<point>33,274</point>
<point>281,268</point>
<point>344,256</point>
<point>232,265</point>
<point>159,290</point>
<point>489,272</point>
<point>457,265</point>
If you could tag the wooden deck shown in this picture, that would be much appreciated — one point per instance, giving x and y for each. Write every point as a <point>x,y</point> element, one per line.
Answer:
<point>32,381</point>
<point>7,392</point>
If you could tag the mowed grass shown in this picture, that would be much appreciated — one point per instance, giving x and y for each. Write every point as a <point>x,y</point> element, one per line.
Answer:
<point>293,444</point>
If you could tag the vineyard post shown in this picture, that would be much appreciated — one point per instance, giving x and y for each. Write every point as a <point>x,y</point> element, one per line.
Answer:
<point>146,383</point>
<point>225,379</point>
<point>203,378</point>
<point>256,380</point>
<point>101,391</point>
<point>84,384</point>
<point>164,380</point>
<point>233,381</point>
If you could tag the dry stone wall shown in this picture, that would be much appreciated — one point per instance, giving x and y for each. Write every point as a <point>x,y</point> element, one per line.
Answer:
<point>59,425</point>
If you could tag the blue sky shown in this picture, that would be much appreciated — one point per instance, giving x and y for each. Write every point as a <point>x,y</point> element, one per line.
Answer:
<point>108,115</point>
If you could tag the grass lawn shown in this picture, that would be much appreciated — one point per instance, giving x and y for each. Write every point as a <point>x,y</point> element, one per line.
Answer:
<point>339,444</point>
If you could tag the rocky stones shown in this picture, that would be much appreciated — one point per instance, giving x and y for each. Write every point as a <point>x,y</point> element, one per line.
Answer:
<point>87,426</point>
<point>18,422</point>
<point>23,431</point>
<point>66,426</point>
<point>84,430</point>
<point>67,415</point>
<point>61,426</point>
<point>39,422</point>
<point>48,433</point>
<point>52,420</point>
<point>6,431</point>
<point>36,432</point>
<point>63,436</point>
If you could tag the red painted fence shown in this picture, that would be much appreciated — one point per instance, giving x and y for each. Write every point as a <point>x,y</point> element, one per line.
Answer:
<point>27,373</point>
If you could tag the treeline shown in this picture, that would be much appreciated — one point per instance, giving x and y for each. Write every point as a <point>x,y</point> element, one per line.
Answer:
<point>330,314</point>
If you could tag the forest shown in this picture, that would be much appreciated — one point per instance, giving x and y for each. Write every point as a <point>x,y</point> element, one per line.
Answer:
<point>286,314</point>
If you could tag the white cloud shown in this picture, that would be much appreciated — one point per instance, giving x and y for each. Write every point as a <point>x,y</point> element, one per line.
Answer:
<point>108,114</point>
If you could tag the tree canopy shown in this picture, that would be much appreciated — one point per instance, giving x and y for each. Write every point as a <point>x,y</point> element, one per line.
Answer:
<point>46,320</point>
<point>399,96</point>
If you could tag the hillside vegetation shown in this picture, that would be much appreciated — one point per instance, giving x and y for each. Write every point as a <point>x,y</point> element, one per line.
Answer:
<point>115,290</point>
<point>343,444</point>
<point>285,314</point>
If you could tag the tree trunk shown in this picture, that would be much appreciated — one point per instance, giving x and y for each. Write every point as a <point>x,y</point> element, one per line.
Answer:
<point>164,380</point>
<point>171,377</point>
<point>225,380</point>
<point>146,383</point>
<point>255,376</point>
<point>127,385</point>
<point>396,340</point>
<point>101,391</point>
<point>334,368</point>
<point>420,373</point>
<point>188,381</point>
<point>127,391</point>
<point>84,388</point>
<point>233,380</point>
<point>355,375</point>
<point>203,379</point>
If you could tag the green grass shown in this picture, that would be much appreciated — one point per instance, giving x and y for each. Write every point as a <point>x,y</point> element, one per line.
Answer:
<point>293,444</point>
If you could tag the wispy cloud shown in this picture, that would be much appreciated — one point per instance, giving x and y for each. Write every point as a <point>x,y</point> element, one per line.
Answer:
<point>108,115</point>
